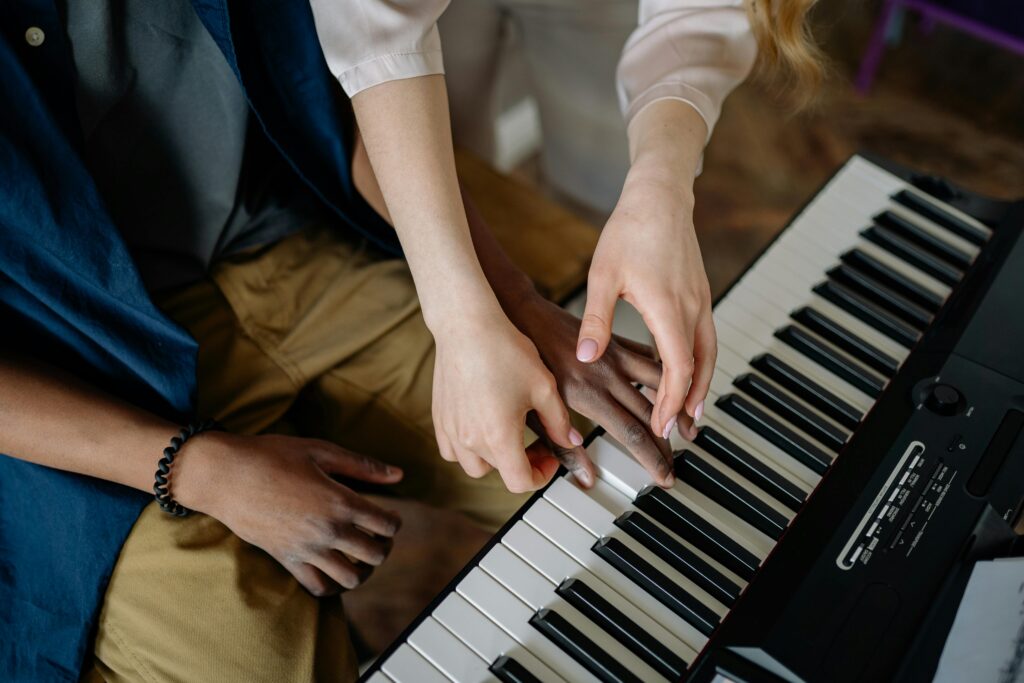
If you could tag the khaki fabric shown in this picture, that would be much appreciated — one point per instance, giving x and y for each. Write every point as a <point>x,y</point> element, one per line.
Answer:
<point>314,335</point>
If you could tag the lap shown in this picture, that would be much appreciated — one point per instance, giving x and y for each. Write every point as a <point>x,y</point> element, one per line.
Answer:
<point>315,335</point>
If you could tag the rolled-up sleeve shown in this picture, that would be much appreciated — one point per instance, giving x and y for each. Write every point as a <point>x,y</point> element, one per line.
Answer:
<point>696,51</point>
<point>368,42</point>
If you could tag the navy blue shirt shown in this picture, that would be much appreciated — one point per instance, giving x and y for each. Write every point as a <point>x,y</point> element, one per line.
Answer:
<point>71,295</point>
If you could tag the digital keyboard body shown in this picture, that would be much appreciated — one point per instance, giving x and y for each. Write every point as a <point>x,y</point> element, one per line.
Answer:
<point>861,448</point>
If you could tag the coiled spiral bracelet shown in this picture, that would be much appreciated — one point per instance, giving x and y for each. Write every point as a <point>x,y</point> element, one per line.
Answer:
<point>160,486</point>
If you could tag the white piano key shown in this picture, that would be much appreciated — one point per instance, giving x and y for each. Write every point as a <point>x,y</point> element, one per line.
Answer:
<point>539,593</point>
<point>720,387</point>
<point>513,615</point>
<point>757,337</point>
<point>616,502</point>
<point>928,282</point>
<point>448,654</point>
<point>744,342</point>
<point>576,542</point>
<point>935,230</point>
<point>830,242</point>
<point>556,566</point>
<point>729,367</point>
<point>616,465</point>
<point>741,481</point>
<point>950,209</point>
<point>378,677</point>
<point>778,288</point>
<point>406,665</point>
<point>486,638</point>
<point>589,514</point>
<point>752,442</point>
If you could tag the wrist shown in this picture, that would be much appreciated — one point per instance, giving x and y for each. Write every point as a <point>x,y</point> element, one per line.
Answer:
<point>655,185</point>
<point>194,473</point>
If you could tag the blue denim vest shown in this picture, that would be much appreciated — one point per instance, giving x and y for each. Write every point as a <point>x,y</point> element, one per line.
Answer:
<point>70,295</point>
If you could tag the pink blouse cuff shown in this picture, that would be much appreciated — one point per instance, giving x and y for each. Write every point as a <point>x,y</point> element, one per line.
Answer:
<point>675,90</point>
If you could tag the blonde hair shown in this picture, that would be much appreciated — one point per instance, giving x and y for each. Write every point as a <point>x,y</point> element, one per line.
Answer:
<point>786,47</point>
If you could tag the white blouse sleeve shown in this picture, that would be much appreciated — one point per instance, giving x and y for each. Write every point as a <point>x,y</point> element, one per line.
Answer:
<point>696,51</point>
<point>368,42</point>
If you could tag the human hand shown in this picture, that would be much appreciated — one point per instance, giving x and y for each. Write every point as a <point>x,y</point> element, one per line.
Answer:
<point>487,378</point>
<point>602,390</point>
<point>648,255</point>
<point>278,493</point>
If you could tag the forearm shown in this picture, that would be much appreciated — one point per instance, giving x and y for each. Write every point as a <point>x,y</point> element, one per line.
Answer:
<point>52,419</point>
<point>666,141</point>
<point>406,131</point>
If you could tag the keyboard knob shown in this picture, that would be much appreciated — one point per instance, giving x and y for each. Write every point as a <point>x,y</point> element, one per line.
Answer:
<point>944,400</point>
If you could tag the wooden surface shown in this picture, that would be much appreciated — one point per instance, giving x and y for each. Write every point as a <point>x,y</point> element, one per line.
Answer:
<point>550,244</point>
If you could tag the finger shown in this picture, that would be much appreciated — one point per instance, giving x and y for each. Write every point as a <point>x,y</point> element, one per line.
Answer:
<point>629,417</point>
<point>554,416</point>
<point>359,545</point>
<point>596,325</point>
<point>369,516</point>
<point>542,459</point>
<point>674,345</point>
<point>343,570</point>
<point>644,350</point>
<point>573,459</point>
<point>516,470</point>
<point>444,445</point>
<point>473,465</point>
<point>639,368</point>
<point>334,459</point>
<point>313,580</point>
<point>705,353</point>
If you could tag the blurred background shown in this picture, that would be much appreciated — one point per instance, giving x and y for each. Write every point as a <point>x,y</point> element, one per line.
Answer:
<point>946,96</point>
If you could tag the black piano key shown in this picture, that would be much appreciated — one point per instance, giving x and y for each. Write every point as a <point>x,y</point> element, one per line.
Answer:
<point>697,531</point>
<point>660,587</point>
<point>864,351</point>
<point>791,410</point>
<point>869,265</point>
<point>881,296</point>
<point>807,389</point>
<point>713,483</point>
<point>864,310</point>
<point>755,471</point>
<point>508,670</point>
<point>678,556</point>
<point>822,354</point>
<point>638,641</point>
<point>775,432</point>
<point>924,239</point>
<point>940,216</point>
<point>572,642</point>
<point>903,250</point>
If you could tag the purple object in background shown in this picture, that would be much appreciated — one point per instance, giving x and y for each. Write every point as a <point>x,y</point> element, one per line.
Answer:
<point>978,18</point>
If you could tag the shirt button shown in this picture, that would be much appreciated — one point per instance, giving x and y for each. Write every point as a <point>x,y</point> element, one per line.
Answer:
<point>34,36</point>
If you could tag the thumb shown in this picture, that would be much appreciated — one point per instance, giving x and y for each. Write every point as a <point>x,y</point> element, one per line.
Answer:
<point>554,417</point>
<point>596,327</point>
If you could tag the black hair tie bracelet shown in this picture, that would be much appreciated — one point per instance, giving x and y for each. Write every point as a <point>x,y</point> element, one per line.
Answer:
<point>160,488</point>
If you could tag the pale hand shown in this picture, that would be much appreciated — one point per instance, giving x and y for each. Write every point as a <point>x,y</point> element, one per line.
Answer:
<point>648,255</point>
<point>487,378</point>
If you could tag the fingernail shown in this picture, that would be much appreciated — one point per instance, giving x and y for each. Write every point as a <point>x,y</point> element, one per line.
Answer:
<point>586,350</point>
<point>392,471</point>
<point>698,412</point>
<point>670,480</point>
<point>668,427</point>
<point>583,476</point>
<point>575,438</point>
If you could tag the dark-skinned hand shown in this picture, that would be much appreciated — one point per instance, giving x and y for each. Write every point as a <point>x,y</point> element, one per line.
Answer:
<point>604,391</point>
<point>280,494</point>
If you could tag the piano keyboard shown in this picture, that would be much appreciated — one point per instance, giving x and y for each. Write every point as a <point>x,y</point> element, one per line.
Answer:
<point>627,581</point>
